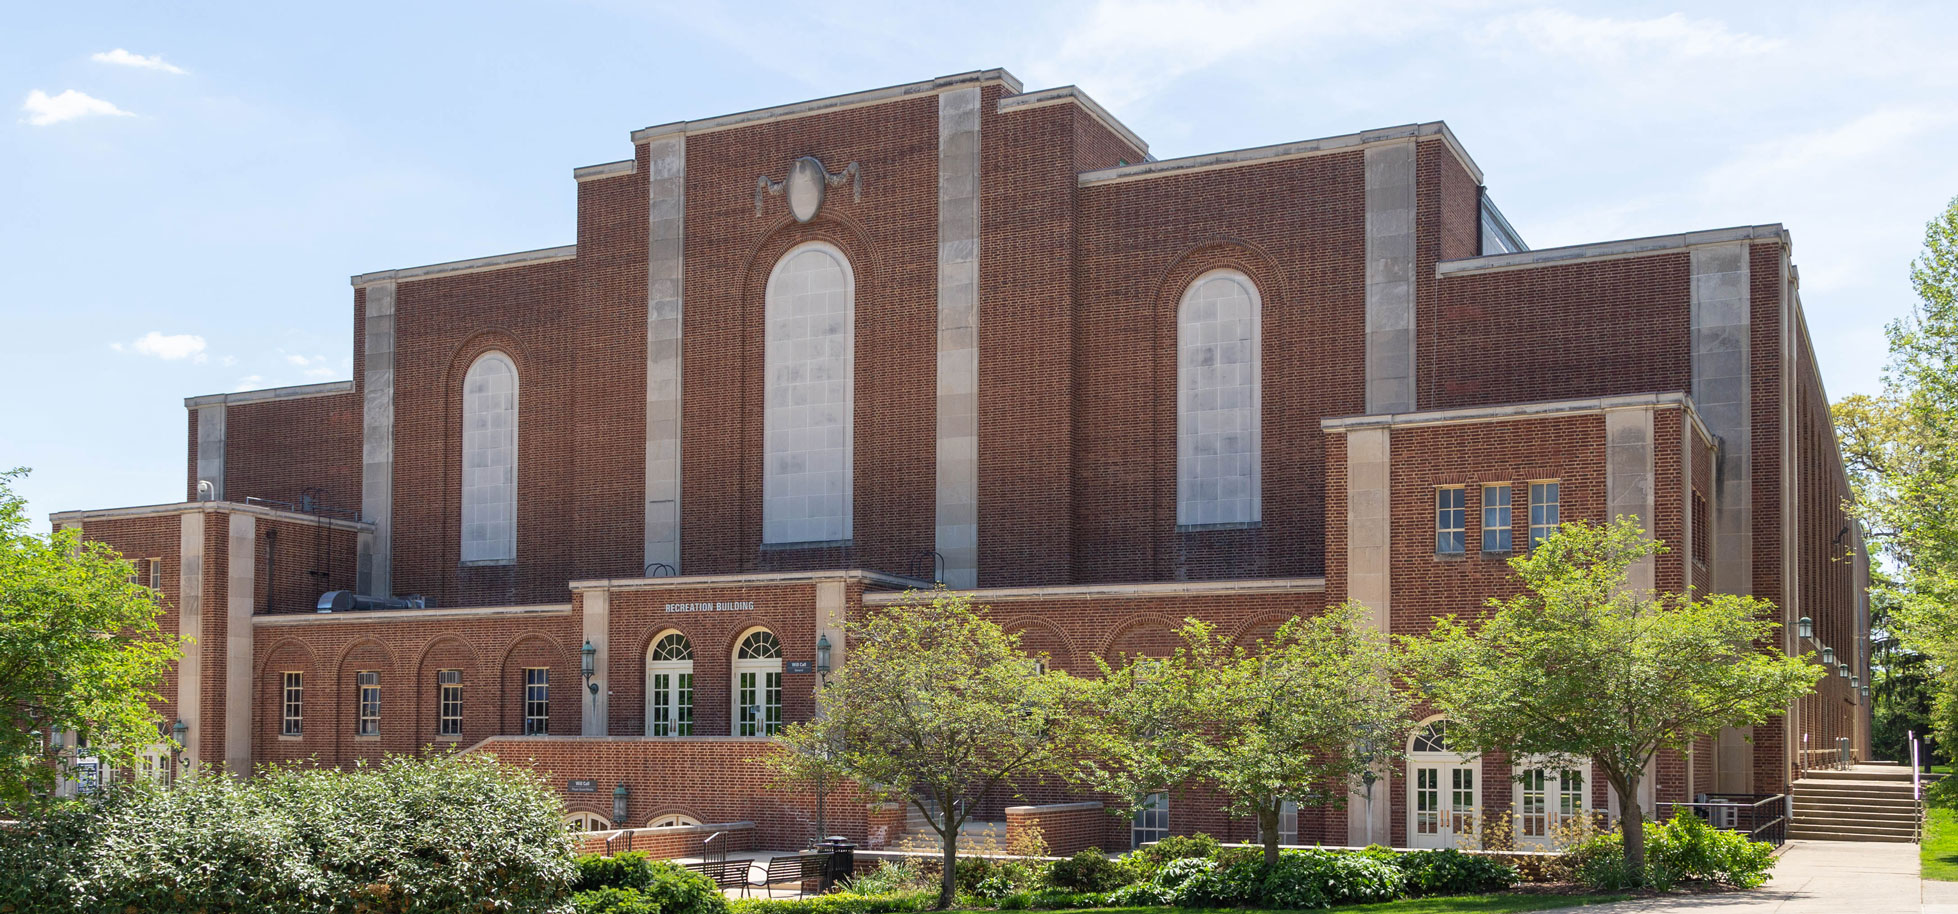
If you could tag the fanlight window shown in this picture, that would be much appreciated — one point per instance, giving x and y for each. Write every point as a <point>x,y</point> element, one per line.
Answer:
<point>673,647</point>
<point>760,646</point>
<point>674,820</point>
<point>1432,738</point>
<point>584,821</point>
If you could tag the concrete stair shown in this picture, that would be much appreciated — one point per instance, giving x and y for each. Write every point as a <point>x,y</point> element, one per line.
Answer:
<point>1869,802</point>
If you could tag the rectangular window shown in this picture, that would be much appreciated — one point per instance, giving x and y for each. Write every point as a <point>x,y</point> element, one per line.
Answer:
<point>448,701</point>
<point>1451,520</point>
<point>1151,820</point>
<point>1702,541</point>
<point>536,700</point>
<point>1496,521</point>
<point>1543,511</point>
<point>155,574</point>
<point>369,683</point>
<point>295,691</point>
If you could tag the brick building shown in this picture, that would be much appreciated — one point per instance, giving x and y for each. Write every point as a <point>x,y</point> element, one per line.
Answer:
<point>803,358</point>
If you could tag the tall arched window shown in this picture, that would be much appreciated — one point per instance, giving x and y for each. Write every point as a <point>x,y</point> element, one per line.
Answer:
<point>758,685</point>
<point>489,460</point>
<point>669,686</point>
<point>1217,401</point>
<point>807,404</point>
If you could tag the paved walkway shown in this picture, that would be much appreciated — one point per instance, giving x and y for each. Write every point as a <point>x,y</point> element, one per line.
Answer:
<point>1814,877</point>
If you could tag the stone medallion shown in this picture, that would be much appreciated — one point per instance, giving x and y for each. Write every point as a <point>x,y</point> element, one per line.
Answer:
<point>807,183</point>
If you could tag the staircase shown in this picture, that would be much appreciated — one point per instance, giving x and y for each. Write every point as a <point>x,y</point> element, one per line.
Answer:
<point>1869,802</point>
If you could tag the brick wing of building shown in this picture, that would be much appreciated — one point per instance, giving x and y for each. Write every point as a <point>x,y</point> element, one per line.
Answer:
<point>803,358</point>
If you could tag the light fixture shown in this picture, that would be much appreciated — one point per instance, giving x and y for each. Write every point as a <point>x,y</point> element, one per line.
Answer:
<point>619,795</point>
<point>1843,669</point>
<point>179,730</point>
<point>1805,627</point>
<point>1855,682</point>
<point>588,665</point>
<point>1828,656</point>
<point>822,654</point>
<point>1866,691</point>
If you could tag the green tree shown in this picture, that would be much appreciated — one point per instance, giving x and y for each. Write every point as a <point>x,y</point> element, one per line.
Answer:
<point>80,651</point>
<point>1902,452</point>
<point>937,707</point>
<point>1580,665</point>
<point>1284,722</point>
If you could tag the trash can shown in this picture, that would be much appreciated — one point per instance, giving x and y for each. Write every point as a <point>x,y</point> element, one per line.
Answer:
<point>839,861</point>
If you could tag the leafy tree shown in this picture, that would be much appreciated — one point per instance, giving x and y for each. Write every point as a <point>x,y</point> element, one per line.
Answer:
<point>1902,450</point>
<point>1579,665</point>
<point>938,707</point>
<point>80,651</point>
<point>1262,727</point>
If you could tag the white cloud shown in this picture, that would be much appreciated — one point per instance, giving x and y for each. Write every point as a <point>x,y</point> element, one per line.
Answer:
<point>298,360</point>
<point>1602,38</point>
<point>123,58</point>
<point>321,372</point>
<point>43,109</point>
<point>169,347</point>
<point>249,382</point>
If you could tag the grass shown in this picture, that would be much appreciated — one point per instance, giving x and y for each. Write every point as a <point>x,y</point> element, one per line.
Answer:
<point>1453,904</point>
<point>1939,854</point>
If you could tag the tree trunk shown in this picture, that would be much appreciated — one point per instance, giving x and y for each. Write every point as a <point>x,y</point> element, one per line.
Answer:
<point>1268,827</point>
<point>948,883</point>
<point>1631,828</point>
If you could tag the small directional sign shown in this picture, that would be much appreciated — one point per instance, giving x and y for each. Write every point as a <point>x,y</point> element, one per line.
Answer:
<point>795,666</point>
<point>581,785</point>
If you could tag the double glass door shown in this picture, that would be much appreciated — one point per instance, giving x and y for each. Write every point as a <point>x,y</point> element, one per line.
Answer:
<point>1444,804</point>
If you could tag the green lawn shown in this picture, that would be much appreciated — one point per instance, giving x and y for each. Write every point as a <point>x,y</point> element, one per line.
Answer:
<point>1940,850</point>
<point>1456,904</point>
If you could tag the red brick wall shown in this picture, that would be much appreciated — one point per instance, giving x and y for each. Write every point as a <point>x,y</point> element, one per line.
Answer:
<point>285,450</point>
<point>609,337</point>
<point>158,537</point>
<point>1765,274</point>
<point>1065,827</point>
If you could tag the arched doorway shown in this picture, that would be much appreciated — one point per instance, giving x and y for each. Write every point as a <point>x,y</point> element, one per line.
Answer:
<point>758,684</point>
<point>1442,795</point>
<point>669,686</point>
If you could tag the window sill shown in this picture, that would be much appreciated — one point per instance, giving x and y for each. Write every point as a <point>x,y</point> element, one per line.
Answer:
<point>1497,553</point>
<point>1451,557</point>
<point>289,738</point>
<point>368,738</point>
<point>1227,525</point>
<point>809,544</point>
<point>452,738</point>
<point>487,563</point>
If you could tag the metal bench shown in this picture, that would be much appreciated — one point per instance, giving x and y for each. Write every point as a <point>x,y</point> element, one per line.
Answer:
<point>725,874</point>
<point>796,868</point>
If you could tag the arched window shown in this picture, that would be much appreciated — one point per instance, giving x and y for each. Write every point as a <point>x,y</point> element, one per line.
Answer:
<point>807,403</point>
<point>1217,401</point>
<point>1443,806</point>
<point>758,685</point>
<point>669,686</point>
<point>489,460</point>
<point>672,820</point>
<point>585,821</point>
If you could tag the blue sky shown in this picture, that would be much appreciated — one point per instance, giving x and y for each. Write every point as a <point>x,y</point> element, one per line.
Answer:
<point>185,221</point>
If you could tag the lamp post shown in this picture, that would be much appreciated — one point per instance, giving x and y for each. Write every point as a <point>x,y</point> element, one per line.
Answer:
<point>588,665</point>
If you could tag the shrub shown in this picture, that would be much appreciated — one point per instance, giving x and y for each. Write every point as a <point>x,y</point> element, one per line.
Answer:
<point>1053,900</point>
<point>613,901</point>
<point>892,877</point>
<point>895,903</point>
<point>1175,873</point>
<point>408,836</point>
<point>1240,882</point>
<point>1451,872</point>
<point>1140,895</point>
<point>1311,879</point>
<point>1088,871</point>
<point>1684,848</point>
<point>1151,857</point>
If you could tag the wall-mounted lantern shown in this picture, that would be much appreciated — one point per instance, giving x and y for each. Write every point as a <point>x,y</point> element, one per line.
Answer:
<point>822,654</point>
<point>1843,669</point>
<point>1805,627</point>
<point>619,795</point>
<point>588,665</point>
<point>1828,656</point>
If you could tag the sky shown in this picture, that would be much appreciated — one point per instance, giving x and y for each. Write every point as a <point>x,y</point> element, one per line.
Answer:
<point>193,187</point>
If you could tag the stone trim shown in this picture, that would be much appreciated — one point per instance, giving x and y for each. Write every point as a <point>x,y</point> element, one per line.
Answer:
<point>1125,591</point>
<point>190,626</point>
<point>1054,807</point>
<point>1261,155</point>
<point>211,438</point>
<point>584,173</point>
<point>472,265</point>
<point>956,534</point>
<point>1391,170</point>
<point>1513,411</point>
<point>411,615</point>
<point>830,103</point>
<point>1613,250</point>
<point>205,507</point>
<point>1064,94</point>
<point>666,231</point>
<point>738,580</point>
<point>241,588</point>
<point>374,570</point>
<point>295,392</point>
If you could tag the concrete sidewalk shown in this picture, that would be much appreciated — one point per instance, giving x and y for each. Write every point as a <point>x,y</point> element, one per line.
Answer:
<point>1818,877</point>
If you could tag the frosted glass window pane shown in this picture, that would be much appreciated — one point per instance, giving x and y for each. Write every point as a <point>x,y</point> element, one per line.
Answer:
<point>1218,405</point>
<point>489,460</point>
<point>807,404</point>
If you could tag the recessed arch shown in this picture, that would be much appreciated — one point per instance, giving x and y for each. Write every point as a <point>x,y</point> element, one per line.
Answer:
<point>669,684</point>
<point>1039,636</point>
<point>1219,404</point>
<point>808,400</point>
<point>1148,634</point>
<point>671,820</point>
<point>489,459</point>
<point>1444,796</point>
<point>757,670</point>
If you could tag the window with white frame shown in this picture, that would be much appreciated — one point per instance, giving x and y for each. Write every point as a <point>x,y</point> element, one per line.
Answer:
<point>672,820</point>
<point>292,703</point>
<point>489,460</point>
<point>1288,823</point>
<point>1151,822</point>
<point>448,702</point>
<point>586,821</point>
<point>807,400</point>
<point>1218,406</point>
<point>536,700</point>
<point>1547,796</point>
<point>1451,520</point>
<point>368,682</point>
<point>154,578</point>
<point>669,686</point>
<point>758,685</point>
<point>1496,522</point>
<point>1544,510</point>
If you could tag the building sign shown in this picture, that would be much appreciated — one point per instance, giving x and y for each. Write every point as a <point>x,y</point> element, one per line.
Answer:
<point>795,666</point>
<point>727,607</point>
<point>581,786</point>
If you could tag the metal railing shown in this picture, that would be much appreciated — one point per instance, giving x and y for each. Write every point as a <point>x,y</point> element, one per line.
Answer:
<point>1761,817</point>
